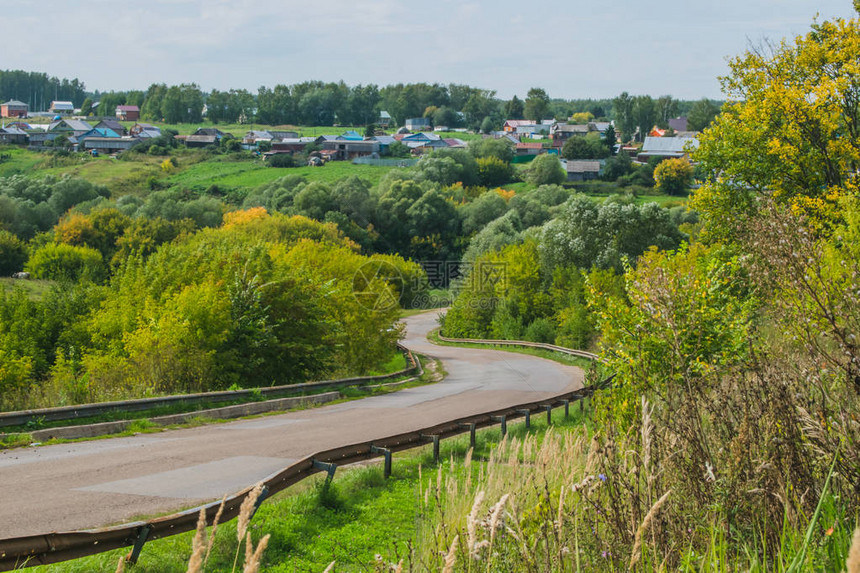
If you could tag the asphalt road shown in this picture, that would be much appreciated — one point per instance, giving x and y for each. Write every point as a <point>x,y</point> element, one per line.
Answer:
<point>92,484</point>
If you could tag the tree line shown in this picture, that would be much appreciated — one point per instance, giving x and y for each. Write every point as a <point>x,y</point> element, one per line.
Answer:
<point>38,90</point>
<point>316,103</point>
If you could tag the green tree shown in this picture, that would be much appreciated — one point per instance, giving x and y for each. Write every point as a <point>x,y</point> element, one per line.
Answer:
<point>702,114</point>
<point>87,107</point>
<point>152,103</point>
<point>645,114</point>
<point>609,139</point>
<point>584,148</point>
<point>667,108</point>
<point>546,169</point>
<point>623,106</point>
<point>514,108</point>
<point>487,125</point>
<point>537,105</point>
<point>501,148</point>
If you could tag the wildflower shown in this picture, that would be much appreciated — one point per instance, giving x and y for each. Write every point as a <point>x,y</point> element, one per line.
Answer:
<point>602,477</point>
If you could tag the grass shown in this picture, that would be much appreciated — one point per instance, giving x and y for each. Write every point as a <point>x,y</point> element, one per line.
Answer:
<point>35,289</point>
<point>228,173</point>
<point>18,161</point>
<point>358,516</point>
<point>396,363</point>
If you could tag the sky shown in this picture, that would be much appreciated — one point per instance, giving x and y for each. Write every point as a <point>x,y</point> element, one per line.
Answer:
<point>570,48</point>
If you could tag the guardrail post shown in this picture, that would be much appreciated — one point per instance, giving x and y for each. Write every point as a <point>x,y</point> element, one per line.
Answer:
<point>504,421</point>
<point>471,426</point>
<point>435,439</point>
<point>386,472</point>
<point>264,493</point>
<point>142,534</point>
<point>326,467</point>
<point>566,408</point>
<point>528,415</point>
<point>548,414</point>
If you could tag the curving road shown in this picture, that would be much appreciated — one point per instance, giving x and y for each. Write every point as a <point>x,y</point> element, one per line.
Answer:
<point>93,484</point>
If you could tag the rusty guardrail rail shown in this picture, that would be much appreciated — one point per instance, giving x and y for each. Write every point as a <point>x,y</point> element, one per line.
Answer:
<point>43,549</point>
<point>22,417</point>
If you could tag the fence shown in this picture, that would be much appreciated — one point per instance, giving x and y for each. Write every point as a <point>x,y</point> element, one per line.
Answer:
<point>553,347</point>
<point>55,547</point>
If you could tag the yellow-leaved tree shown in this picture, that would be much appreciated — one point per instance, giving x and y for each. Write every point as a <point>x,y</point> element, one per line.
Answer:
<point>790,129</point>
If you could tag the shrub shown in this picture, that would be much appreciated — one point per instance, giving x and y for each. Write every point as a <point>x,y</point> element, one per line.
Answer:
<point>58,261</point>
<point>492,171</point>
<point>282,160</point>
<point>673,176</point>
<point>13,253</point>
<point>545,170</point>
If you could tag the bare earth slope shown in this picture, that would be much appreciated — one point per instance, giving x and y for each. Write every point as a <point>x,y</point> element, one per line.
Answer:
<point>93,484</point>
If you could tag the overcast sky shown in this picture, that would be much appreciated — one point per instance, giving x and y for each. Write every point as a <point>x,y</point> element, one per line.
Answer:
<point>573,48</point>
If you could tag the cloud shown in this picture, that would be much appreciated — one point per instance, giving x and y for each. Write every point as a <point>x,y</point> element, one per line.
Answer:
<point>573,49</point>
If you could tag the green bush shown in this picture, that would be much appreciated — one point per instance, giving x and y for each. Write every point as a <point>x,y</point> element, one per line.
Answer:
<point>282,160</point>
<point>13,253</point>
<point>58,261</point>
<point>545,170</point>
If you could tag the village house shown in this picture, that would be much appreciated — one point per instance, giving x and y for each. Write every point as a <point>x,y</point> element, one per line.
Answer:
<point>418,123</point>
<point>112,125</point>
<point>144,130</point>
<point>582,169</point>
<point>100,132</point>
<point>678,123</point>
<point>384,142</point>
<point>511,125</point>
<point>561,132</point>
<point>197,141</point>
<point>279,135</point>
<point>666,147</point>
<point>127,112</point>
<point>292,144</point>
<point>384,119</point>
<point>526,148</point>
<point>13,135</point>
<point>253,137</point>
<point>14,108</point>
<point>71,127</point>
<point>108,145</point>
<point>62,107</point>
<point>344,149</point>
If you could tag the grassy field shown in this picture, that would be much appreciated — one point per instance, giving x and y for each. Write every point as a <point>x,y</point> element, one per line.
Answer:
<point>224,171</point>
<point>18,161</point>
<point>35,289</point>
<point>197,170</point>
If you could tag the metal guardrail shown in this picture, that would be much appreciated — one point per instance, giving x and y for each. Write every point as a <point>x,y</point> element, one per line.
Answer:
<point>43,549</point>
<point>22,417</point>
<point>553,347</point>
